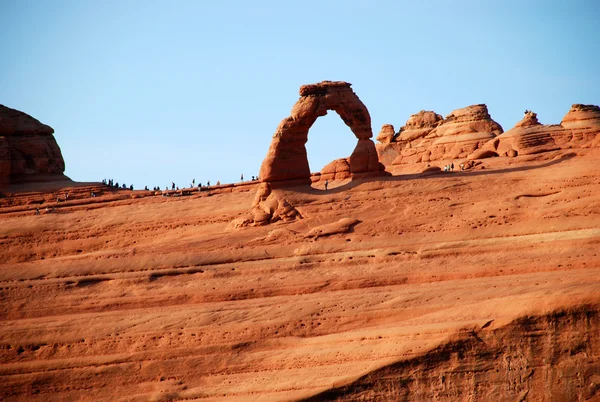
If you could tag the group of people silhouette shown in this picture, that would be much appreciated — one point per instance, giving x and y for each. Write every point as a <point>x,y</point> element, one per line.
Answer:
<point>112,183</point>
<point>173,187</point>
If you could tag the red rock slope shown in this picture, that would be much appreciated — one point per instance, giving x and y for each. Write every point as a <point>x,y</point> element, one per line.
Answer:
<point>482,284</point>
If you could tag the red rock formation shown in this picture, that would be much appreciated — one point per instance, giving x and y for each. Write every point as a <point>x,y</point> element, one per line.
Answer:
<point>579,129</point>
<point>28,150</point>
<point>387,134</point>
<point>508,363</point>
<point>582,116</point>
<point>269,207</point>
<point>427,137</point>
<point>286,159</point>
<point>339,169</point>
<point>419,125</point>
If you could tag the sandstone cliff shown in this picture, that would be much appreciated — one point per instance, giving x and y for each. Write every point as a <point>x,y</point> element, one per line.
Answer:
<point>426,136</point>
<point>28,150</point>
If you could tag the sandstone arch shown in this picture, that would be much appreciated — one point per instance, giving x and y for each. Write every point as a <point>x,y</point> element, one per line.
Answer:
<point>287,158</point>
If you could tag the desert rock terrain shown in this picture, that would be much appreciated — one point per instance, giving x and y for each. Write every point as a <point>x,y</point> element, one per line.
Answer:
<point>481,284</point>
<point>28,150</point>
<point>427,136</point>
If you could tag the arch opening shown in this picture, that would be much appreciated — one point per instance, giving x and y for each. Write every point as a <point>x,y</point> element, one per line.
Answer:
<point>287,160</point>
<point>329,138</point>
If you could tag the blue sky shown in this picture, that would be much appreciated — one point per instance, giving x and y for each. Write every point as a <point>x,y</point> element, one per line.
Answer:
<point>149,92</point>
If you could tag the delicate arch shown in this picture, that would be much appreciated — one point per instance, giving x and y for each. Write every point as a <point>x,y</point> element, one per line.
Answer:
<point>287,159</point>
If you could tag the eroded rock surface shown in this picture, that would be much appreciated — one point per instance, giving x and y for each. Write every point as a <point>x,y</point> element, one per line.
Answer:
<point>387,134</point>
<point>287,160</point>
<point>444,281</point>
<point>269,207</point>
<point>28,150</point>
<point>426,136</point>
<point>338,169</point>
<point>509,363</point>
<point>343,225</point>
<point>579,129</point>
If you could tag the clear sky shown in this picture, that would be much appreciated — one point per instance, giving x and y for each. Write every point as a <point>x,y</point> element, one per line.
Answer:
<point>148,92</point>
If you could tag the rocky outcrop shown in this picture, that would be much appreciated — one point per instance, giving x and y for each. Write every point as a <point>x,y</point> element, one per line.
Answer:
<point>419,125</point>
<point>269,207</point>
<point>339,169</point>
<point>426,136</point>
<point>553,357</point>
<point>387,134</point>
<point>580,128</point>
<point>286,161</point>
<point>28,150</point>
<point>582,116</point>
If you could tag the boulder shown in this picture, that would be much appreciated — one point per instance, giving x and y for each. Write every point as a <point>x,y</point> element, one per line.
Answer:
<point>339,169</point>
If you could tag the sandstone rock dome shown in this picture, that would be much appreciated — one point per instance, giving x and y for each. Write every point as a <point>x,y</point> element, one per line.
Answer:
<point>28,150</point>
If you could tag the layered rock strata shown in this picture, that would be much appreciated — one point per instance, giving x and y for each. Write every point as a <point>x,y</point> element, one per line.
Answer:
<point>427,136</point>
<point>28,149</point>
<point>286,161</point>
<point>509,363</point>
<point>578,129</point>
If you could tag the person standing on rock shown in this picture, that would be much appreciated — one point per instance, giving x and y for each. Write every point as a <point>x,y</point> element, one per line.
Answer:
<point>242,177</point>
<point>326,184</point>
<point>452,166</point>
<point>37,211</point>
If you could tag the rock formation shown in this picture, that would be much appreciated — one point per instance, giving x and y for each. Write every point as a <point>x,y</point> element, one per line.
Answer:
<point>339,169</point>
<point>286,160</point>
<point>269,207</point>
<point>426,136</point>
<point>387,134</point>
<point>519,365</point>
<point>28,150</point>
<point>579,129</point>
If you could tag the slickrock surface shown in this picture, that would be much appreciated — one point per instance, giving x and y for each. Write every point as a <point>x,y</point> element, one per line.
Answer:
<point>481,284</point>
<point>580,128</point>
<point>286,160</point>
<point>28,150</point>
<point>427,137</point>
